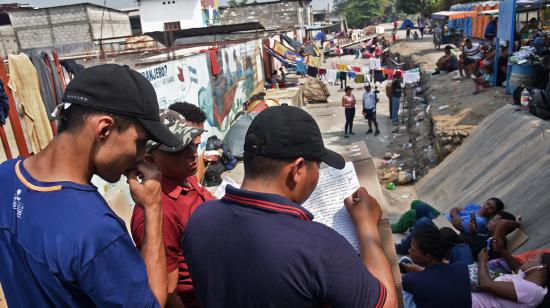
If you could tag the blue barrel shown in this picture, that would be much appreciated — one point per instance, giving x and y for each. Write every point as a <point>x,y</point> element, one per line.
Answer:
<point>522,74</point>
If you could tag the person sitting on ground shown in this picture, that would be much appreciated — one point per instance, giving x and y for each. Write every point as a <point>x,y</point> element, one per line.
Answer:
<point>471,55</point>
<point>61,245</point>
<point>415,35</point>
<point>473,218</point>
<point>502,224</point>
<point>430,281</point>
<point>257,246</point>
<point>527,288</point>
<point>483,81</point>
<point>181,195</point>
<point>459,251</point>
<point>448,62</point>
<point>470,219</point>
<point>370,99</point>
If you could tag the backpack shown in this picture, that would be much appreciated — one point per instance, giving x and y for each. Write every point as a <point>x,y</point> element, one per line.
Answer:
<point>389,90</point>
<point>539,105</point>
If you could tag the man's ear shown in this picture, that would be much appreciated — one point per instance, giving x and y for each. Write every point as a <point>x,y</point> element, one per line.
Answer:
<point>149,158</point>
<point>294,170</point>
<point>104,126</point>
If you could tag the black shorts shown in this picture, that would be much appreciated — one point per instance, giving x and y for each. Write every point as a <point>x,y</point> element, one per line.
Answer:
<point>370,114</point>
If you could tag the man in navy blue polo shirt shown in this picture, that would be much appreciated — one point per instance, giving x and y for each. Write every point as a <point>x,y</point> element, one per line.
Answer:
<point>60,243</point>
<point>257,247</point>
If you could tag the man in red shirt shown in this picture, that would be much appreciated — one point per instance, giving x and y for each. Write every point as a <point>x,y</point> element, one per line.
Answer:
<point>181,195</point>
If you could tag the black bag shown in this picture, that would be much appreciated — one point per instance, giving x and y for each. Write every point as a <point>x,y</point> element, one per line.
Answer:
<point>213,174</point>
<point>539,105</point>
<point>213,143</point>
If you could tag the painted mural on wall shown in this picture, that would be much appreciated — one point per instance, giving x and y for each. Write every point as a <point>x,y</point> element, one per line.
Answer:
<point>221,97</point>
<point>241,74</point>
<point>210,12</point>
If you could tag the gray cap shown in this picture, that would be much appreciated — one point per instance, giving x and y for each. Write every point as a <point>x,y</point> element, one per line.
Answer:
<point>178,126</point>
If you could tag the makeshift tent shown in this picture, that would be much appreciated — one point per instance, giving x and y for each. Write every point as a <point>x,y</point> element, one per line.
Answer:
<point>293,43</point>
<point>234,138</point>
<point>315,91</point>
<point>407,23</point>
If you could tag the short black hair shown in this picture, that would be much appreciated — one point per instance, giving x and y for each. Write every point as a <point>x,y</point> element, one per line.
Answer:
<point>448,47</point>
<point>74,117</point>
<point>506,215</point>
<point>261,167</point>
<point>189,111</point>
<point>430,242</point>
<point>498,203</point>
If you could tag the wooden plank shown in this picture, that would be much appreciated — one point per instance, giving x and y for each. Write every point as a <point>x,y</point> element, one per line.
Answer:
<point>358,153</point>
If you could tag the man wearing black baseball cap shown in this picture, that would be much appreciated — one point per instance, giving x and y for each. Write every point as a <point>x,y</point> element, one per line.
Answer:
<point>257,246</point>
<point>60,243</point>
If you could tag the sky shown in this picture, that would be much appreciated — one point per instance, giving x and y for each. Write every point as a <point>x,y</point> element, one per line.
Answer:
<point>121,4</point>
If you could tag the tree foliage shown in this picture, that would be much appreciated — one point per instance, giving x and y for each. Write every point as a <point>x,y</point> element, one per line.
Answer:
<point>424,7</point>
<point>360,13</point>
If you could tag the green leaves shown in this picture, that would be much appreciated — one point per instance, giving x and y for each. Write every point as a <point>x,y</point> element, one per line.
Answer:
<point>360,12</point>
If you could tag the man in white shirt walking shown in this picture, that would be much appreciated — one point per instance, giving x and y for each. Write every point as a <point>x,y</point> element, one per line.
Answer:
<point>370,98</point>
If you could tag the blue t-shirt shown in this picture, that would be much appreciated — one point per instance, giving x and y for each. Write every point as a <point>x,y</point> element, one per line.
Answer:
<point>62,246</point>
<point>461,253</point>
<point>441,285</point>
<point>253,249</point>
<point>465,218</point>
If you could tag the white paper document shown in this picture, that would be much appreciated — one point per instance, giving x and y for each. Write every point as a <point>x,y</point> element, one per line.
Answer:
<point>326,203</point>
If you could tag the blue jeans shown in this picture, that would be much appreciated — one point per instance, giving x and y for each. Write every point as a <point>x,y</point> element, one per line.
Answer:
<point>395,109</point>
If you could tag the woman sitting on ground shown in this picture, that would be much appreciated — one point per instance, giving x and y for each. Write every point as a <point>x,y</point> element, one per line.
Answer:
<point>527,288</point>
<point>431,282</point>
<point>459,251</point>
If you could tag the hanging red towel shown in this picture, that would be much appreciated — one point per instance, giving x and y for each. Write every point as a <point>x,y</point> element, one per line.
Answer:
<point>213,52</point>
<point>322,71</point>
<point>356,69</point>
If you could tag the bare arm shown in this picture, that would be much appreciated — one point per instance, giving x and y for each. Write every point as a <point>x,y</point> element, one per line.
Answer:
<point>365,214</point>
<point>148,194</point>
<point>173,300</point>
<point>503,289</point>
<point>455,218</point>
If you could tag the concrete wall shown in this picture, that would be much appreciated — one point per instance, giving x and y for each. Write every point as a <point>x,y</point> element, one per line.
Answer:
<point>8,43</point>
<point>285,15</point>
<point>154,13</point>
<point>72,26</point>
<point>506,156</point>
<point>115,24</point>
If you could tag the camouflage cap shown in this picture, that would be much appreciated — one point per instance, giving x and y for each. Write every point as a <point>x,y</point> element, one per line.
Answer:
<point>178,126</point>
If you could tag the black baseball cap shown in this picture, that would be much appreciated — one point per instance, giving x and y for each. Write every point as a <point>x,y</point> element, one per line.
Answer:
<point>288,132</point>
<point>120,90</point>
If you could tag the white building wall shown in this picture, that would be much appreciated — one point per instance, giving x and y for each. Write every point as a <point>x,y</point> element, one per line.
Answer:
<point>154,13</point>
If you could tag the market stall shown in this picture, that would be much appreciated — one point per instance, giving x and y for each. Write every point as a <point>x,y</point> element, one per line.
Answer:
<point>445,34</point>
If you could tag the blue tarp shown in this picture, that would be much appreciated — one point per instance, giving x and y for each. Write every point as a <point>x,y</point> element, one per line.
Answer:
<point>407,23</point>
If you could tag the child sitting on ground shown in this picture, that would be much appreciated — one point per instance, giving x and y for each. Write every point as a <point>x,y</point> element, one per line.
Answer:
<point>415,35</point>
<point>484,80</point>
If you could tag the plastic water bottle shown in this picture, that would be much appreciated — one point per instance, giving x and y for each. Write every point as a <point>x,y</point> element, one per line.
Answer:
<point>432,157</point>
<point>524,100</point>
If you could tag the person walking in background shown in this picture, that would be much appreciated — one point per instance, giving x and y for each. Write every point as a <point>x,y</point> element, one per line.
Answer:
<point>408,33</point>
<point>348,102</point>
<point>421,26</point>
<point>396,92</point>
<point>370,99</point>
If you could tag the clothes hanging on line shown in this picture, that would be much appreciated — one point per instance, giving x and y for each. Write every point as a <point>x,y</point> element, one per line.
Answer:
<point>4,104</point>
<point>24,82</point>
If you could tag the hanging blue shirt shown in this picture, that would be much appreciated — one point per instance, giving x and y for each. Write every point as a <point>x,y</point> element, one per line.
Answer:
<point>62,246</point>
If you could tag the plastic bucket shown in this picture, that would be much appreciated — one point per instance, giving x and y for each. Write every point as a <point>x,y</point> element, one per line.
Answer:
<point>521,74</point>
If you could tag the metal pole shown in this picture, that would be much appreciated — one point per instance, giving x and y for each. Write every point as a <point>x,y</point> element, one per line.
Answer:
<point>5,142</point>
<point>14,117</point>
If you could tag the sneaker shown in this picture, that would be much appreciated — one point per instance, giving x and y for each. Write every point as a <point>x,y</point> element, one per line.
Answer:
<point>346,136</point>
<point>377,132</point>
<point>369,131</point>
<point>351,133</point>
